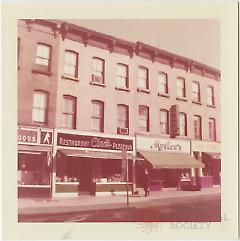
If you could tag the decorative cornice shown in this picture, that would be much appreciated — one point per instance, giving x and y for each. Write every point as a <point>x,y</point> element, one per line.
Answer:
<point>64,30</point>
<point>111,45</point>
<point>172,61</point>
<point>84,35</point>
<point>29,23</point>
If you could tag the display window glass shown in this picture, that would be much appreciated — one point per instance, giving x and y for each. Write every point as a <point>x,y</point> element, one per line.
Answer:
<point>33,169</point>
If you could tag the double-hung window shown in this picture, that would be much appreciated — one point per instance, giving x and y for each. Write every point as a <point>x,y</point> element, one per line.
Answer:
<point>42,60</point>
<point>144,118</point>
<point>181,89</point>
<point>97,117</point>
<point>71,63</point>
<point>69,112</point>
<point>143,78</point>
<point>196,92</point>
<point>98,70</point>
<point>210,96</point>
<point>164,121</point>
<point>162,83</point>
<point>197,124</point>
<point>212,129</point>
<point>182,124</point>
<point>40,105</point>
<point>122,76</point>
<point>122,119</point>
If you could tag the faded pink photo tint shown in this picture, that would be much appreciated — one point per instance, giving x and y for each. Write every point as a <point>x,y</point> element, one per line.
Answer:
<point>119,120</point>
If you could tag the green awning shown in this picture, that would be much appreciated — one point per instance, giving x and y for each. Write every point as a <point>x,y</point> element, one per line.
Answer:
<point>170,160</point>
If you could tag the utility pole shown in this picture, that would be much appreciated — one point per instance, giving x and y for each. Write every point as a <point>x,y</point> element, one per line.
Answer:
<point>125,159</point>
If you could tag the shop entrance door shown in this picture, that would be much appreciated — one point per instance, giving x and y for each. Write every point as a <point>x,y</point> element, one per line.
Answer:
<point>85,175</point>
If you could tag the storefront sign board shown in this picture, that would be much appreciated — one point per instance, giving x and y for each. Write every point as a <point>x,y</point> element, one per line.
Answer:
<point>204,146</point>
<point>36,136</point>
<point>162,144</point>
<point>93,142</point>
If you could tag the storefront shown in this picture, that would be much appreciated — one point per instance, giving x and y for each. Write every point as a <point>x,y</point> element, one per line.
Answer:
<point>34,161</point>
<point>93,164</point>
<point>167,159</point>
<point>210,154</point>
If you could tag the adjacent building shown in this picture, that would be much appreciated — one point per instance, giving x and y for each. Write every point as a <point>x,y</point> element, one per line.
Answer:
<point>87,102</point>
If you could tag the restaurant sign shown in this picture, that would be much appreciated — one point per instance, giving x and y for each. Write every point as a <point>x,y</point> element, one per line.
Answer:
<point>162,144</point>
<point>93,142</point>
<point>34,136</point>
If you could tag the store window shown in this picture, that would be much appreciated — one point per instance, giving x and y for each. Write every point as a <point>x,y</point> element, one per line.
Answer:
<point>212,129</point>
<point>71,63</point>
<point>97,118</point>
<point>33,169</point>
<point>196,92</point>
<point>163,83</point>
<point>181,87</point>
<point>40,106</point>
<point>144,118</point>
<point>182,124</point>
<point>197,123</point>
<point>98,70</point>
<point>69,112</point>
<point>43,57</point>
<point>68,169</point>
<point>143,78</point>
<point>122,119</point>
<point>122,76</point>
<point>164,121</point>
<point>210,96</point>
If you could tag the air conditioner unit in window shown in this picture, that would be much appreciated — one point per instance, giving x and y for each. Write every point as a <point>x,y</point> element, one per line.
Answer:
<point>123,131</point>
<point>97,79</point>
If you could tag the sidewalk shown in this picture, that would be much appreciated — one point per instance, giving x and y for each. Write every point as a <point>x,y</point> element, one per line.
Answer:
<point>39,206</point>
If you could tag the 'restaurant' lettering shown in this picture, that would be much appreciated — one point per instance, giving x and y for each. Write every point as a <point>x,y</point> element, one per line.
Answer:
<point>73,143</point>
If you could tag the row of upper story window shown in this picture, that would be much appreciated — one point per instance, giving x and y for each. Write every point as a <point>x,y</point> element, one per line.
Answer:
<point>69,114</point>
<point>42,64</point>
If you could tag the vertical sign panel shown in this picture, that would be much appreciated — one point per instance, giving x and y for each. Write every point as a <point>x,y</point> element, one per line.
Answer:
<point>174,121</point>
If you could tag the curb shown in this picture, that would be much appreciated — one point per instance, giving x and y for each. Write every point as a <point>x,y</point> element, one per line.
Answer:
<point>66,212</point>
<point>41,211</point>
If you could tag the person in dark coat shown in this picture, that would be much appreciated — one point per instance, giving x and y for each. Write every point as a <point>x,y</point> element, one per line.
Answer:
<point>146,180</point>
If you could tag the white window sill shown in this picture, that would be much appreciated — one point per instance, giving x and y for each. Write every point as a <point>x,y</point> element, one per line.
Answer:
<point>69,77</point>
<point>212,106</point>
<point>143,90</point>
<point>196,102</point>
<point>97,84</point>
<point>122,89</point>
<point>181,98</point>
<point>142,132</point>
<point>164,95</point>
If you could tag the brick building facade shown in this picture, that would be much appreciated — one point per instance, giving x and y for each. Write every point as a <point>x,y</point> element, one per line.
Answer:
<point>78,84</point>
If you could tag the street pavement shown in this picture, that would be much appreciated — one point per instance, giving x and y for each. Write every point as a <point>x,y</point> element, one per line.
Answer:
<point>85,204</point>
<point>187,209</point>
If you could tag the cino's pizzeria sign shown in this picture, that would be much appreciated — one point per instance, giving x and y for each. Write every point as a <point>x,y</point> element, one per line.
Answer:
<point>93,142</point>
<point>162,144</point>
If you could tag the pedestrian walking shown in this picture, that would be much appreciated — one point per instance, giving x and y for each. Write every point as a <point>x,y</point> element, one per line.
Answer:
<point>146,182</point>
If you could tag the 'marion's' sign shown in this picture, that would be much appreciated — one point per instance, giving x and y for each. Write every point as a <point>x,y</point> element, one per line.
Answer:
<point>96,142</point>
<point>162,144</point>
